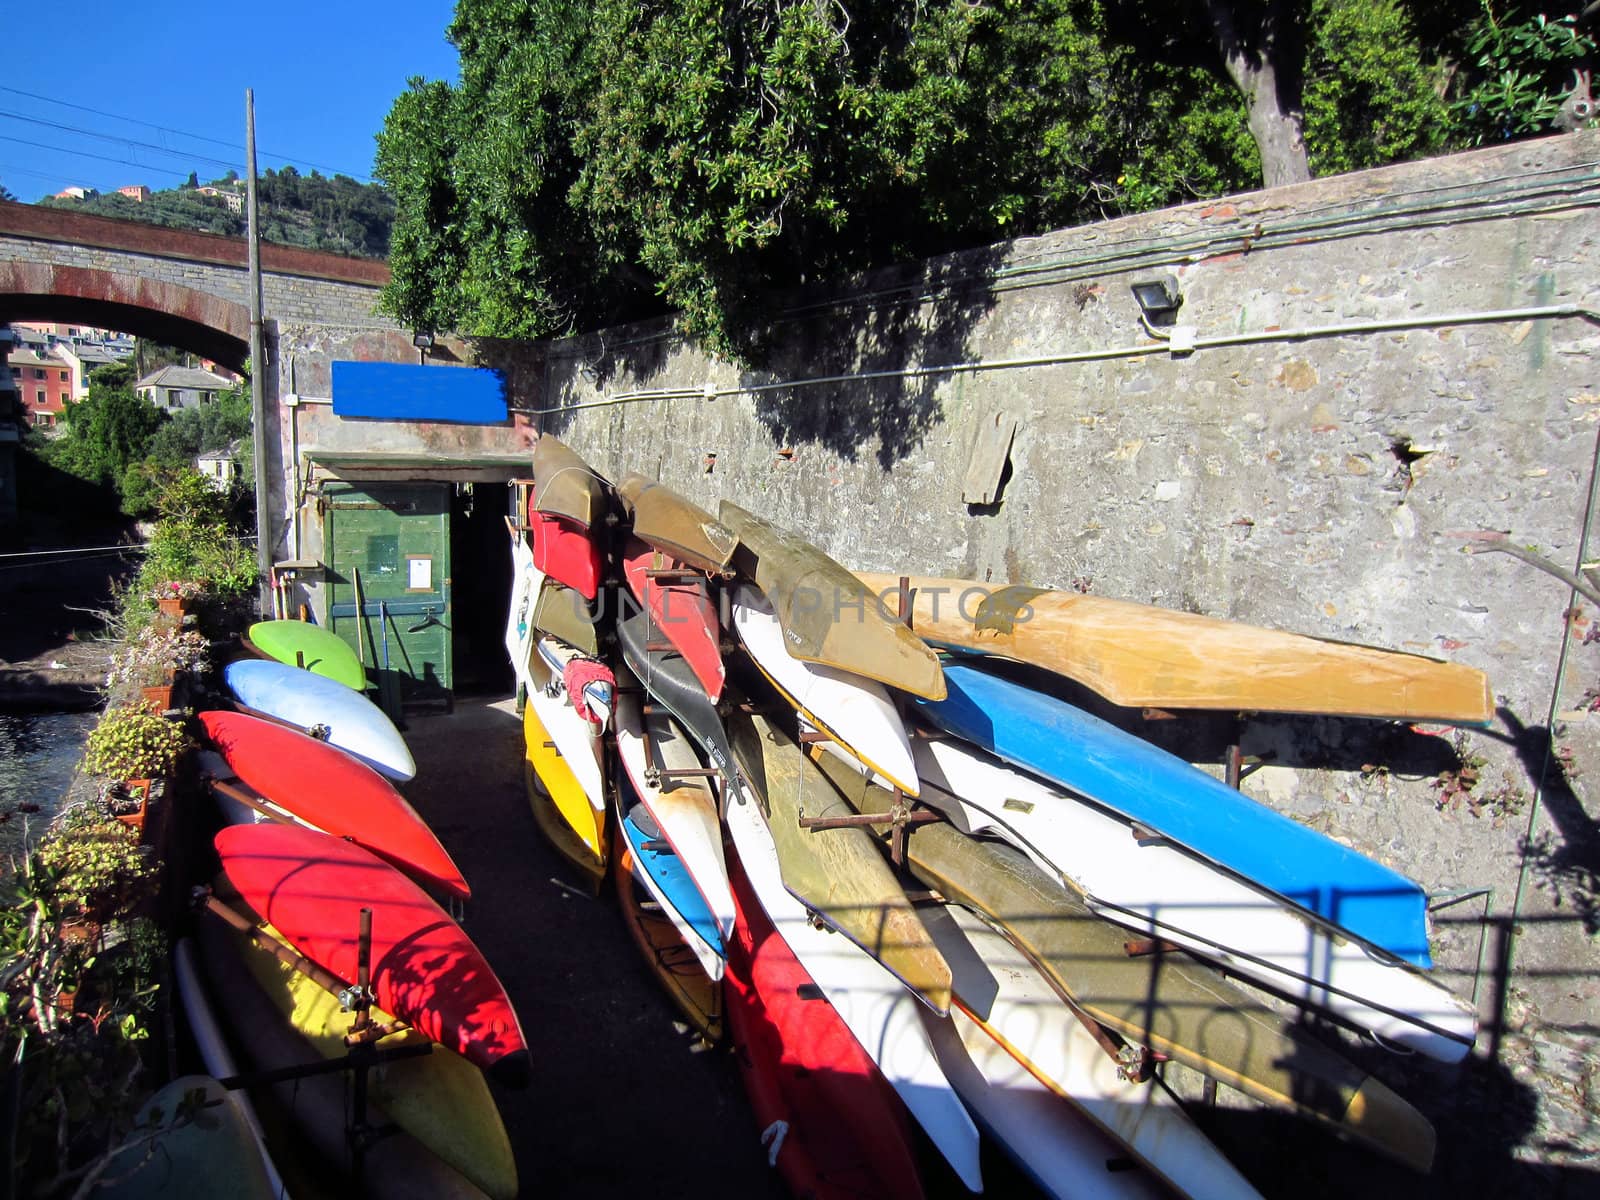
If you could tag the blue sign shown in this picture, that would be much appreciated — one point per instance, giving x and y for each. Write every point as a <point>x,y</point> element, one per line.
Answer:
<point>412,392</point>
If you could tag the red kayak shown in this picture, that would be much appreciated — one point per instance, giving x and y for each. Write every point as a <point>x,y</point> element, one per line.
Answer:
<point>844,1132</point>
<point>312,887</point>
<point>564,551</point>
<point>329,790</point>
<point>682,610</point>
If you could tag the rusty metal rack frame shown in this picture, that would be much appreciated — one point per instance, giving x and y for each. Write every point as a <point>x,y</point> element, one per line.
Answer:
<point>906,810</point>
<point>362,1053</point>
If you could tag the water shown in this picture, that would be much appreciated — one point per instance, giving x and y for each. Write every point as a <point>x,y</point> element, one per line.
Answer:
<point>39,755</point>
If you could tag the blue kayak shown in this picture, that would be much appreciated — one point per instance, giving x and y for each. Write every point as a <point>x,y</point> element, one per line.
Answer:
<point>313,703</point>
<point>1186,806</point>
<point>672,886</point>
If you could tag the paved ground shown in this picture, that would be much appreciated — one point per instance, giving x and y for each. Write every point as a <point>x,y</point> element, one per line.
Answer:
<point>622,1105</point>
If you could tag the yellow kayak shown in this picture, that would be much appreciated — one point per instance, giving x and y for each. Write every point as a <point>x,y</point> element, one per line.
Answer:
<point>560,804</point>
<point>440,1099</point>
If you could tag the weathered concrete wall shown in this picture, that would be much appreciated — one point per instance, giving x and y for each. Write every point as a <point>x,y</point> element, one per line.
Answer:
<point>1318,481</point>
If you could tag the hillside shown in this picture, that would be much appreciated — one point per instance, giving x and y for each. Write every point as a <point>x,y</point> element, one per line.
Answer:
<point>338,214</point>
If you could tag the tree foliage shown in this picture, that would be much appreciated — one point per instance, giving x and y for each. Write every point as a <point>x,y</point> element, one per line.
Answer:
<point>602,161</point>
<point>319,213</point>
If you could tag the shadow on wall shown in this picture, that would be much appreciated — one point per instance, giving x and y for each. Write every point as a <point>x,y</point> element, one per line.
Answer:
<point>912,317</point>
<point>924,319</point>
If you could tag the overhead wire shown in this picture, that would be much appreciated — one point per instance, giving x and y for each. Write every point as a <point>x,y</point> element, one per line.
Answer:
<point>102,157</point>
<point>290,159</point>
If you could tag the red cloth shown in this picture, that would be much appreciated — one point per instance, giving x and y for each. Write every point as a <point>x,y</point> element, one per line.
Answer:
<point>578,674</point>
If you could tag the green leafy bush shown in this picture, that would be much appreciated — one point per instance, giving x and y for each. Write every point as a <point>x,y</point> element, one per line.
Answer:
<point>133,743</point>
<point>1520,68</point>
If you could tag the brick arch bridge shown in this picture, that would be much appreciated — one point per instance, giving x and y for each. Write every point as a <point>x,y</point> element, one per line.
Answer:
<point>181,288</point>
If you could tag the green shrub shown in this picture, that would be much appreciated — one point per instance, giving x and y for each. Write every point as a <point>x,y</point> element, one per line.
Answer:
<point>133,743</point>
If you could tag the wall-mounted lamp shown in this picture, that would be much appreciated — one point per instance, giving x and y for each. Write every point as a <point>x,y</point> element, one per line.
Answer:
<point>423,342</point>
<point>1159,299</point>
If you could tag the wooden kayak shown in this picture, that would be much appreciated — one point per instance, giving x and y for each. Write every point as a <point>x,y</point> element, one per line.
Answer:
<point>1161,792</point>
<point>318,650</point>
<point>563,612</point>
<point>1015,1052</point>
<point>828,615</point>
<point>839,874</point>
<point>311,888</point>
<point>526,581</point>
<point>1166,1000</point>
<point>563,549</point>
<point>571,824</point>
<point>881,1013</point>
<point>855,712</point>
<point>565,486</point>
<point>309,1118</point>
<point>665,954</point>
<point>684,807</point>
<point>831,1123</point>
<point>211,1041</point>
<point>439,1098</point>
<point>1156,888</point>
<point>309,702</point>
<point>1139,655</point>
<point>576,740</point>
<point>660,870</point>
<point>669,680</point>
<point>325,788</point>
<point>672,523</point>
<point>681,608</point>
<point>191,1138</point>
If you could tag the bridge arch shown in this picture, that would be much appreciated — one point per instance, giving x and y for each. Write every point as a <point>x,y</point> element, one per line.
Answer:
<point>166,312</point>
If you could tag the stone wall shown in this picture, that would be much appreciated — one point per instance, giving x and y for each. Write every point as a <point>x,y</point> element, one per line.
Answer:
<point>1383,364</point>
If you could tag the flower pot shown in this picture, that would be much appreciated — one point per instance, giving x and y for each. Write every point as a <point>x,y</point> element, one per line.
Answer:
<point>172,606</point>
<point>158,699</point>
<point>137,790</point>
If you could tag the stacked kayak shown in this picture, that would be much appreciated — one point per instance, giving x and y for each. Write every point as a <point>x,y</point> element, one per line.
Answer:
<point>329,880</point>
<point>917,893</point>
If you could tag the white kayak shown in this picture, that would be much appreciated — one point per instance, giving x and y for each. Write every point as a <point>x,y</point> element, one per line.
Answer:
<point>599,695</point>
<point>324,708</point>
<point>854,711</point>
<point>1154,887</point>
<point>576,739</point>
<point>878,1009</point>
<point>684,806</point>
<point>526,580</point>
<point>1015,1029</point>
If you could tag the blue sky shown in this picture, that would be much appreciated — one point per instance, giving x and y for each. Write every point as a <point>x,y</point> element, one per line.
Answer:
<point>151,81</point>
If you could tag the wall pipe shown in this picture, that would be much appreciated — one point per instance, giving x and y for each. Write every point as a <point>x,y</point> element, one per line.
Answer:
<point>1300,334</point>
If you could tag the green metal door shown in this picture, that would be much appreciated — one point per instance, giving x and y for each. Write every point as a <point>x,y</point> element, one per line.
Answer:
<point>391,544</point>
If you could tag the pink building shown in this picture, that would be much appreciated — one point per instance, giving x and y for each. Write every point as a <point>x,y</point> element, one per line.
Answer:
<point>44,385</point>
<point>137,192</point>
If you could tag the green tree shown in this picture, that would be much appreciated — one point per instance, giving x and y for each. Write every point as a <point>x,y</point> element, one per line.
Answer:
<point>601,161</point>
<point>1371,97</point>
<point>1518,68</point>
<point>107,433</point>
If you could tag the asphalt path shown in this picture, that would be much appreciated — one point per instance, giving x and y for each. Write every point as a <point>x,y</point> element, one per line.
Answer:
<point>624,1101</point>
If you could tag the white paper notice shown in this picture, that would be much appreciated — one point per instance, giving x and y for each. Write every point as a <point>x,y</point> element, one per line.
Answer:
<point>419,574</point>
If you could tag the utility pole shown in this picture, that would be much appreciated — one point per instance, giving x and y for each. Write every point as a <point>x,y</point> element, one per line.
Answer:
<point>258,365</point>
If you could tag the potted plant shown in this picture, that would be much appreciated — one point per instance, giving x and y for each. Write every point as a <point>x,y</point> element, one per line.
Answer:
<point>150,660</point>
<point>174,597</point>
<point>133,747</point>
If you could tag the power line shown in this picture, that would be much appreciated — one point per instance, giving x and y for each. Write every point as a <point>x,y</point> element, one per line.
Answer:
<point>199,137</point>
<point>122,141</point>
<point>102,157</point>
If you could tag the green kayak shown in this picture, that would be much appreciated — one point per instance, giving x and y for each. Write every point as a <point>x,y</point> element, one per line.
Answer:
<point>299,643</point>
